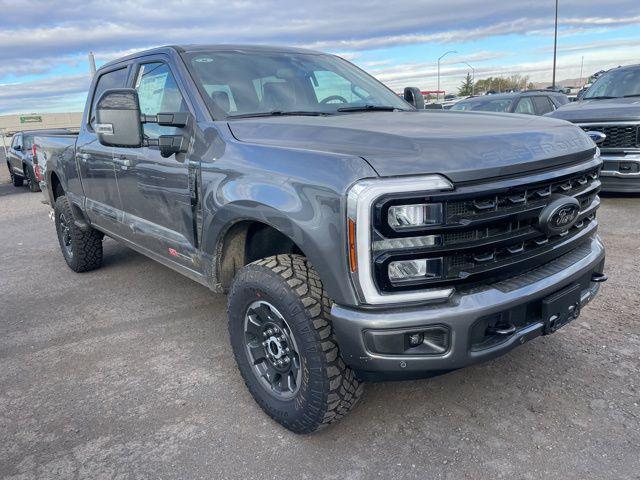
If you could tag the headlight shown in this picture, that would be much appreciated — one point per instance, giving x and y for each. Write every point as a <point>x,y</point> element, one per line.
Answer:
<point>410,216</point>
<point>363,240</point>
<point>422,268</point>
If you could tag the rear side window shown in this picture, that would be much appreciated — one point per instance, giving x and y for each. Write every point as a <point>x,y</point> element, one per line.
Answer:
<point>113,79</point>
<point>525,105</point>
<point>27,142</point>
<point>543,105</point>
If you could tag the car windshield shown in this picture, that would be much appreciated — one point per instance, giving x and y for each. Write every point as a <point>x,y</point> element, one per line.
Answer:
<point>623,82</point>
<point>495,105</point>
<point>245,83</point>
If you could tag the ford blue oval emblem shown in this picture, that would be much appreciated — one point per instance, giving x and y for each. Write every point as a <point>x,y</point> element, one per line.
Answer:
<point>597,137</point>
<point>559,215</point>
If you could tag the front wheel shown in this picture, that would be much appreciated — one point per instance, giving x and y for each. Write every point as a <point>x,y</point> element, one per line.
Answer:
<point>81,248</point>
<point>284,344</point>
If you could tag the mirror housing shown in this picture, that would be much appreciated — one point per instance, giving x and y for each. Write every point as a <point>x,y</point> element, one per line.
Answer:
<point>118,118</point>
<point>17,148</point>
<point>414,96</point>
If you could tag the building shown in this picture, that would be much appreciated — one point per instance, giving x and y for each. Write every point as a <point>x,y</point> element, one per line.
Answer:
<point>10,124</point>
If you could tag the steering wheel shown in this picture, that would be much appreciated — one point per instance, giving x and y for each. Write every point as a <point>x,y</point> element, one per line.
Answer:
<point>332,98</point>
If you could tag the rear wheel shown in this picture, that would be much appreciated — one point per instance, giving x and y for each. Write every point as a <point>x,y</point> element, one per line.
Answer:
<point>284,344</point>
<point>82,249</point>
<point>32,183</point>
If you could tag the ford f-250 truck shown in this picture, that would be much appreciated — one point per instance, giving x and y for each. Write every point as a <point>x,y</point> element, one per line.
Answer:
<point>609,112</point>
<point>357,237</point>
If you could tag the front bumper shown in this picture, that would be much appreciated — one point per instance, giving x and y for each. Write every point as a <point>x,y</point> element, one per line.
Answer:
<point>518,298</point>
<point>620,173</point>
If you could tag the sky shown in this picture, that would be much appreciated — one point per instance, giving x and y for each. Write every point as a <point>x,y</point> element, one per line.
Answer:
<point>44,43</point>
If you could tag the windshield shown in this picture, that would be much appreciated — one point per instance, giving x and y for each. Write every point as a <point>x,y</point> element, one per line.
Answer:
<point>496,105</point>
<point>616,83</point>
<point>239,84</point>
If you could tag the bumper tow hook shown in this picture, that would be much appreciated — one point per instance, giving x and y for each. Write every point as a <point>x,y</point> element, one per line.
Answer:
<point>599,278</point>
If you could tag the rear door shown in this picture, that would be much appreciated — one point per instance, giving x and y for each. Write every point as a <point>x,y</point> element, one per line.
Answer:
<point>96,161</point>
<point>155,193</point>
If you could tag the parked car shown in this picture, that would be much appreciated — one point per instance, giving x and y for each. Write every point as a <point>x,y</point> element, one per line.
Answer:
<point>532,102</point>
<point>609,111</point>
<point>356,241</point>
<point>21,159</point>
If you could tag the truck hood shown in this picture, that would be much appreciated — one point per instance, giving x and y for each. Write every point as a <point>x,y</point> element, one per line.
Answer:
<point>605,110</point>
<point>464,146</point>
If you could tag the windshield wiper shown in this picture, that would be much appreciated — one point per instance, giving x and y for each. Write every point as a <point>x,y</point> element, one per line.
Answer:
<point>629,96</point>
<point>279,113</point>
<point>372,108</point>
<point>600,97</point>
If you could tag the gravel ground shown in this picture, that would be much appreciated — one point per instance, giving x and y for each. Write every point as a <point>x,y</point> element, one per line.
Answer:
<point>126,372</point>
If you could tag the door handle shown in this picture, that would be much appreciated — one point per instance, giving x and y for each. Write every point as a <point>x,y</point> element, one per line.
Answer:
<point>124,163</point>
<point>83,156</point>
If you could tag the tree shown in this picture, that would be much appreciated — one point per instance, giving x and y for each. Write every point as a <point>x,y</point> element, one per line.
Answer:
<point>503,84</point>
<point>466,88</point>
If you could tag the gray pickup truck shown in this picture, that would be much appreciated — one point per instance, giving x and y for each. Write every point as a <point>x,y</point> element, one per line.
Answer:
<point>358,238</point>
<point>609,112</point>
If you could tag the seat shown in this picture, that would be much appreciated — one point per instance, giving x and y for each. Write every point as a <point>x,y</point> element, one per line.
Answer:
<point>221,100</point>
<point>278,95</point>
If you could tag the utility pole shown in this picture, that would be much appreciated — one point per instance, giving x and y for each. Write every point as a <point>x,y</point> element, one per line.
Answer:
<point>581,65</point>
<point>441,57</point>
<point>92,64</point>
<point>555,48</point>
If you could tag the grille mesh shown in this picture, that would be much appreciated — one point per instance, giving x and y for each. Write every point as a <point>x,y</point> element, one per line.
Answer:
<point>618,136</point>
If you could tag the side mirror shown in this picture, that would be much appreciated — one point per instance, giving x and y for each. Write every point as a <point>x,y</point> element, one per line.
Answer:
<point>118,122</point>
<point>413,95</point>
<point>17,148</point>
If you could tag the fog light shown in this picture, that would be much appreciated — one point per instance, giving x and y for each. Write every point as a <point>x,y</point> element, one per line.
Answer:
<point>416,339</point>
<point>415,269</point>
<point>420,215</point>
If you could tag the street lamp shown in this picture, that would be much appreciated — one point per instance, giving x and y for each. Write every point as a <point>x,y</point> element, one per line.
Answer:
<point>441,57</point>
<point>473,79</point>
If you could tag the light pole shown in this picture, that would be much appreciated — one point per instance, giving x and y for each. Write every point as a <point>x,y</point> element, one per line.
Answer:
<point>441,57</point>
<point>473,79</point>
<point>555,47</point>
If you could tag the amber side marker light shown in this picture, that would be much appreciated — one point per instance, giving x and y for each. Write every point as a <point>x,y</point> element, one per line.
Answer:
<point>353,260</point>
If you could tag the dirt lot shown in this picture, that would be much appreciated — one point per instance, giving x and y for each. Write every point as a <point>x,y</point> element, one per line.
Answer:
<point>126,372</point>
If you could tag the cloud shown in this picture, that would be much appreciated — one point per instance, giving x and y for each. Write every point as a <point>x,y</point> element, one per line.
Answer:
<point>40,40</point>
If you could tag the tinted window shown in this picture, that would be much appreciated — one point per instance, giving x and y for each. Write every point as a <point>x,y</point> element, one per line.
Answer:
<point>16,141</point>
<point>113,79</point>
<point>27,142</point>
<point>525,105</point>
<point>543,105</point>
<point>158,92</point>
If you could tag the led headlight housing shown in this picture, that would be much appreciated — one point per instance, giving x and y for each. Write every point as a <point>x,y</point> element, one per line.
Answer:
<point>401,208</point>
<point>404,217</point>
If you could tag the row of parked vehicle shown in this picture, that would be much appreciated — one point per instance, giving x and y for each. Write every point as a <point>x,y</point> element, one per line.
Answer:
<point>358,236</point>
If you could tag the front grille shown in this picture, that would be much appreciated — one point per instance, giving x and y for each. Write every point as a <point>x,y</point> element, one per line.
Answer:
<point>490,231</point>
<point>618,136</point>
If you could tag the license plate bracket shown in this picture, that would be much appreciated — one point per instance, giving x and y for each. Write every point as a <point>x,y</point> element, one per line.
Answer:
<point>561,308</point>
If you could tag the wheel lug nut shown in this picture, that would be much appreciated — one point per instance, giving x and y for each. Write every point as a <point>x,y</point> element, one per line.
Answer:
<point>286,350</point>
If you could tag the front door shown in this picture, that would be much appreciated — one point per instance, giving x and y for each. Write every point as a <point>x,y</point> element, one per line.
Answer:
<point>96,162</point>
<point>155,193</point>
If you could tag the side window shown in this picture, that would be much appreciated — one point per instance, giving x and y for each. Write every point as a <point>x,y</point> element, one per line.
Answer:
<point>543,105</point>
<point>158,92</point>
<point>27,142</point>
<point>16,141</point>
<point>525,105</point>
<point>113,79</point>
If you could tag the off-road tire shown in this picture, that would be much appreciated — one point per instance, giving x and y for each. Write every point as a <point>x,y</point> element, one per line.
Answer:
<point>329,389</point>
<point>31,179</point>
<point>85,245</point>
